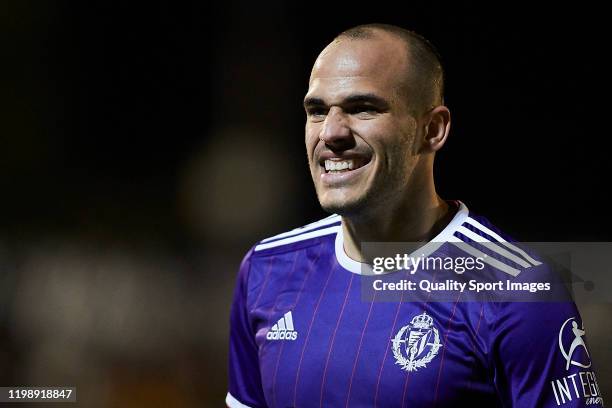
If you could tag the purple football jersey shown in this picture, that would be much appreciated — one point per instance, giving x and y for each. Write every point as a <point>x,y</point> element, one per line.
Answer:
<point>302,334</point>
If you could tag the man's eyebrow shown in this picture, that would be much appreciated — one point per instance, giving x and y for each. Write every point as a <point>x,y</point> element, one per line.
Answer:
<point>370,98</point>
<point>311,101</point>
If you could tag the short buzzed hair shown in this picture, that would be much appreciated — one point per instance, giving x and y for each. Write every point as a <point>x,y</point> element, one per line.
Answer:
<point>425,78</point>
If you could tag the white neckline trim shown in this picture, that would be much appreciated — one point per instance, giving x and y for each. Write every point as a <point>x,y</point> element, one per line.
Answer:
<point>362,268</point>
<point>232,402</point>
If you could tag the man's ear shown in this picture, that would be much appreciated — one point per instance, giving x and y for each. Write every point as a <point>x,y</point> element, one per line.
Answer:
<point>437,126</point>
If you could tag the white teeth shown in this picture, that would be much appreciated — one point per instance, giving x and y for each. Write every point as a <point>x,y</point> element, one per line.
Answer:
<point>334,165</point>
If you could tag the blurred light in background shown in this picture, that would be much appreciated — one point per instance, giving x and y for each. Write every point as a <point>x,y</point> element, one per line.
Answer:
<point>236,186</point>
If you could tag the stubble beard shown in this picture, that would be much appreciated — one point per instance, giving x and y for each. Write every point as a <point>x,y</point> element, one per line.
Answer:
<point>369,203</point>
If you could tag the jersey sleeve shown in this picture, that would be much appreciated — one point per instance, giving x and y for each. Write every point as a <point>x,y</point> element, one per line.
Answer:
<point>540,356</point>
<point>245,389</point>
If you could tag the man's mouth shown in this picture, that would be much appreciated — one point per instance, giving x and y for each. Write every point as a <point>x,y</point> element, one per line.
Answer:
<point>334,166</point>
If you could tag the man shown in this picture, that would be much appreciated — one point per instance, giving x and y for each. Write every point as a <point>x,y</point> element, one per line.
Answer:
<point>301,332</point>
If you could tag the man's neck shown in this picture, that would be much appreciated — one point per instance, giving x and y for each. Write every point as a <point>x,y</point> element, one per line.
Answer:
<point>415,221</point>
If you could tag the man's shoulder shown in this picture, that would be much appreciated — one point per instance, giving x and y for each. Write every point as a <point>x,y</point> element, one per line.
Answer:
<point>297,238</point>
<point>478,227</point>
<point>502,252</point>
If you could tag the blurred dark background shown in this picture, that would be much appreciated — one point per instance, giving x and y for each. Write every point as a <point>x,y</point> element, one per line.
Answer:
<point>145,147</point>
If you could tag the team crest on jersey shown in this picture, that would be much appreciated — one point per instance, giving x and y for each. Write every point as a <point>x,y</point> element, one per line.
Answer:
<point>417,343</point>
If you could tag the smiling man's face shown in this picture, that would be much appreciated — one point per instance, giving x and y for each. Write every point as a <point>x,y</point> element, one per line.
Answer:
<point>361,134</point>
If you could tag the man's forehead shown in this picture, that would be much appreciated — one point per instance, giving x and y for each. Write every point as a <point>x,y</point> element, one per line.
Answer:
<point>380,57</point>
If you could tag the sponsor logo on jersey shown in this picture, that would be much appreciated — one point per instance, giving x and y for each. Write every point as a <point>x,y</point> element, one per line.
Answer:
<point>582,384</point>
<point>283,329</point>
<point>417,343</point>
<point>575,334</point>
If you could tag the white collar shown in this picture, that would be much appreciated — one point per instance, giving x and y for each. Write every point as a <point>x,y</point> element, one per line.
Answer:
<point>444,235</point>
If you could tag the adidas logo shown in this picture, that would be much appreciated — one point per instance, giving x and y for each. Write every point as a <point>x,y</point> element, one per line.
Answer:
<point>283,329</point>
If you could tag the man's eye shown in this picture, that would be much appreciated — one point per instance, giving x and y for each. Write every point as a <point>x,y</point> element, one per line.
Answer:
<point>364,110</point>
<point>316,111</point>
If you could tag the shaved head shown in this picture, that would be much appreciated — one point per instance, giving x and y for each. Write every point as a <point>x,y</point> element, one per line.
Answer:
<point>424,79</point>
<point>374,107</point>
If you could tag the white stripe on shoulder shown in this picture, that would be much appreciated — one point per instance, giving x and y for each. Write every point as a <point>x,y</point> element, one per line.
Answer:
<point>466,247</point>
<point>232,402</point>
<point>507,244</point>
<point>301,237</point>
<point>325,221</point>
<point>493,246</point>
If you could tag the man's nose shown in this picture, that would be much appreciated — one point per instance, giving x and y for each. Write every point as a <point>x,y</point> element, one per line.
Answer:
<point>336,131</point>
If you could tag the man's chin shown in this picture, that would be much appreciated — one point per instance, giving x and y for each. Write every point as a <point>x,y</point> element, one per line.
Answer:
<point>345,208</point>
